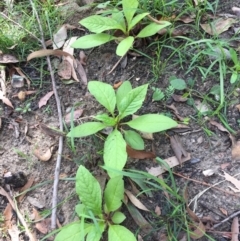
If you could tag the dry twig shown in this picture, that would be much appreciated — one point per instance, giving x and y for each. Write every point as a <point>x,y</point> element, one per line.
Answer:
<point>60,147</point>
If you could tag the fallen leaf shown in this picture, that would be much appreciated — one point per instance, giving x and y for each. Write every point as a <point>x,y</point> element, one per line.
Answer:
<point>179,98</point>
<point>8,58</point>
<point>224,165</point>
<point>147,136</point>
<point>218,26</point>
<point>43,226</point>
<point>158,210</point>
<point>197,2</point>
<point>138,154</point>
<point>60,37</point>
<point>65,70</point>
<point>138,218</point>
<point>172,107</point>
<point>14,233</point>
<point>171,161</point>
<point>24,188</point>
<point>81,73</point>
<point>50,131</point>
<point>177,148</point>
<point>5,100</point>
<point>117,84</point>
<point>236,10</point>
<point>67,46</point>
<point>238,107</point>
<point>43,101</point>
<point>224,211</point>
<point>234,181</point>
<point>185,19</point>
<point>47,52</point>
<point>135,201</point>
<point>76,114</point>
<point>7,214</point>
<point>36,202</point>
<point>235,229</point>
<point>44,157</point>
<point>82,58</point>
<point>209,172</point>
<point>23,75</point>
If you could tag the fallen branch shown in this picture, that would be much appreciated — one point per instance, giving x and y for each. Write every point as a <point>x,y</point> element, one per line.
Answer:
<point>226,219</point>
<point>30,235</point>
<point>60,147</point>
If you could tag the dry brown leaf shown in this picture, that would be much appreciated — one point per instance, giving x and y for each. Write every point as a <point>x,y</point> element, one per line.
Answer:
<point>82,73</point>
<point>147,136</point>
<point>234,181</point>
<point>235,229</point>
<point>172,107</point>
<point>67,46</point>
<point>178,148</point>
<point>76,114</point>
<point>139,238</point>
<point>50,131</point>
<point>65,70</point>
<point>60,37</point>
<point>138,154</point>
<point>44,157</point>
<point>158,210</point>
<point>47,52</point>
<point>171,161</point>
<point>43,101</point>
<point>185,19</point>
<point>117,84</point>
<point>238,107</point>
<point>23,75</point>
<point>179,98</point>
<point>5,100</point>
<point>24,188</point>
<point>218,26</point>
<point>135,201</point>
<point>8,58</point>
<point>236,150</point>
<point>43,226</point>
<point>224,211</point>
<point>224,165</point>
<point>7,214</point>
<point>82,58</point>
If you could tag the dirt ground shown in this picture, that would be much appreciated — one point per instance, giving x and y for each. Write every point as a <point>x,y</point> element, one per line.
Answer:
<point>20,135</point>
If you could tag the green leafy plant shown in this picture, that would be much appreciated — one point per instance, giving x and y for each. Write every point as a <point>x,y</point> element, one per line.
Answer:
<point>236,68</point>
<point>125,102</point>
<point>95,216</point>
<point>24,109</point>
<point>124,22</point>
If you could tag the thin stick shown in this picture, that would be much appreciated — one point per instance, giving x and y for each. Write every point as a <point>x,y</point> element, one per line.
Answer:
<point>226,219</point>
<point>30,235</point>
<point>206,184</point>
<point>115,66</point>
<point>60,147</point>
<point>20,26</point>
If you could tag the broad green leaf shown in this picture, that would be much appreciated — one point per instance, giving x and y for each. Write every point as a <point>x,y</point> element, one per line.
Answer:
<point>136,19</point>
<point>178,84</point>
<point>92,40</point>
<point>95,233</point>
<point>115,154</point>
<point>132,101</point>
<point>89,190</point>
<point>122,91</point>
<point>107,120</point>
<point>98,24</point>
<point>152,123</point>
<point>158,94</point>
<point>134,140</point>
<point>234,77</point>
<point>118,217</point>
<point>152,29</point>
<point>124,46</point>
<point>86,129</point>
<point>118,16</point>
<point>113,193</point>
<point>81,210</point>
<point>129,9</point>
<point>104,94</point>
<point>73,232</point>
<point>120,233</point>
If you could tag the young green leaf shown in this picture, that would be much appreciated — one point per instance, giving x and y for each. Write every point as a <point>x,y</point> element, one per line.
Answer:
<point>178,84</point>
<point>136,19</point>
<point>118,217</point>
<point>118,16</point>
<point>122,91</point>
<point>152,123</point>
<point>132,101</point>
<point>80,209</point>
<point>115,154</point>
<point>89,190</point>
<point>234,77</point>
<point>95,233</point>
<point>158,94</point>
<point>134,140</point>
<point>92,40</point>
<point>113,193</point>
<point>152,29</point>
<point>124,46</point>
<point>86,129</point>
<point>107,120</point>
<point>104,94</point>
<point>73,232</point>
<point>98,24</point>
<point>129,9</point>
<point>120,233</point>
